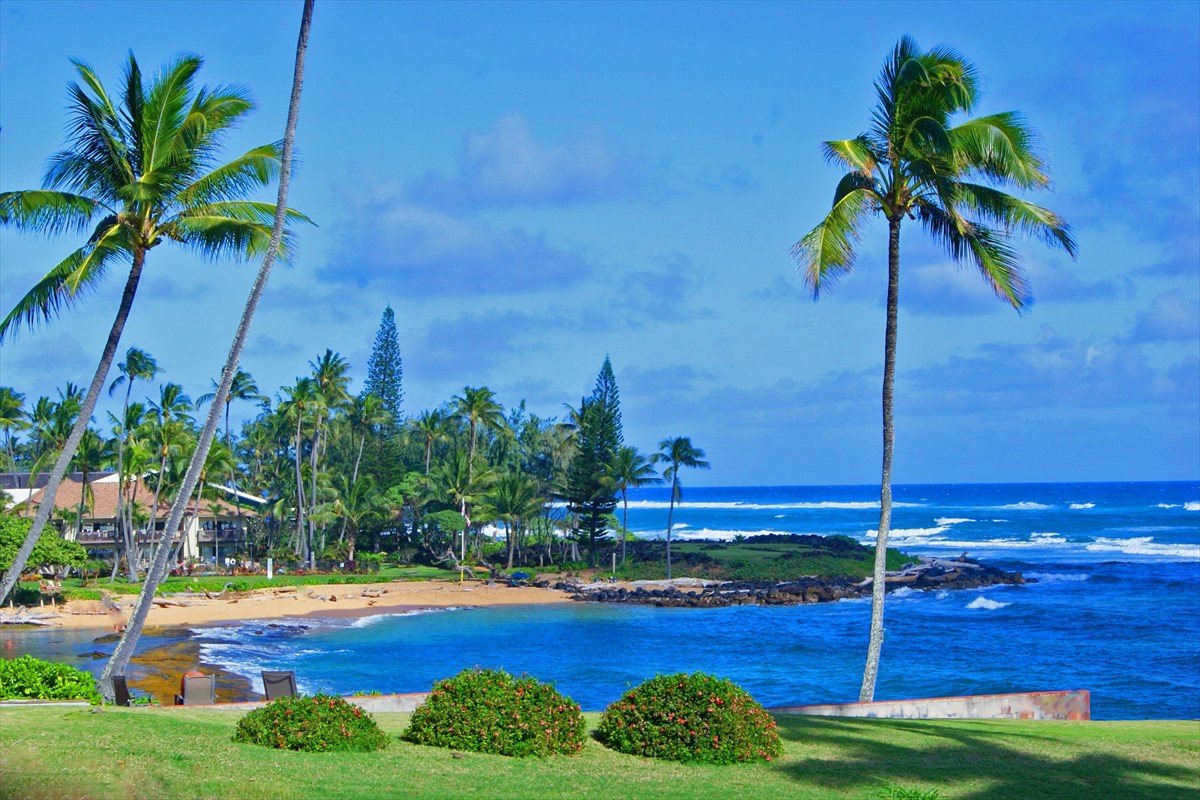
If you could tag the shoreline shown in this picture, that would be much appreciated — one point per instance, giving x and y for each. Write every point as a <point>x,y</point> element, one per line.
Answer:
<point>338,601</point>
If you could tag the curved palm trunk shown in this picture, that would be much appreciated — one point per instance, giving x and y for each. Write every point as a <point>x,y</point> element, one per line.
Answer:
<point>671,515</point>
<point>299,493</point>
<point>132,570</point>
<point>237,499</point>
<point>119,661</point>
<point>878,587</point>
<point>85,416</point>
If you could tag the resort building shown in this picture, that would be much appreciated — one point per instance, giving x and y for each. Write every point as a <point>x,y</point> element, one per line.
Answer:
<point>210,530</point>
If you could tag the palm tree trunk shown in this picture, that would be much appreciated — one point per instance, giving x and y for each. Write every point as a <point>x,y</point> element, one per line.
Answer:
<point>624,523</point>
<point>299,493</point>
<point>120,518</point>
<point>85,415</point>
<point>237,499</point>
<point>671,515</point>
<point>878,583</point>
<point>119,661</point>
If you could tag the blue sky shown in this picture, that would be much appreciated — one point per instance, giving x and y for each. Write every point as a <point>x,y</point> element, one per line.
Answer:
<point>531,186</point>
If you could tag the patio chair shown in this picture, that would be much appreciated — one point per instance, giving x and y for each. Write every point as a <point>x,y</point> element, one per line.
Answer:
<point>198,690</point>
<point>121,690</point>
<point>279,684</point>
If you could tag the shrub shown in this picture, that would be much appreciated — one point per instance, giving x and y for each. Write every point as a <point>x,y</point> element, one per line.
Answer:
<point>490,711</point>
<point>318,723</point>
<point>692,717</point>
<point>31,678</point>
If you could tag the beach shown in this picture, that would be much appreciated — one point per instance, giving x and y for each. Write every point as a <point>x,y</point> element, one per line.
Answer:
<point>324,600</point>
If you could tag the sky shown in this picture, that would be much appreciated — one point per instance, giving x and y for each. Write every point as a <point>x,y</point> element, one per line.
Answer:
<point>532,186</point>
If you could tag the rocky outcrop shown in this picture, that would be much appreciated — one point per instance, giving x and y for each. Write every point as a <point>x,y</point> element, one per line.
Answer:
<point>929,574</point>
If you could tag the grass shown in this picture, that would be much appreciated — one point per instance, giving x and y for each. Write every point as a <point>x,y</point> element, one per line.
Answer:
<point>183,753</point>
<point>763,558</point>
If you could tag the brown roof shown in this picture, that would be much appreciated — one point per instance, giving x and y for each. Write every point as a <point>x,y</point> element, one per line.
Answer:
<point>103,505</point>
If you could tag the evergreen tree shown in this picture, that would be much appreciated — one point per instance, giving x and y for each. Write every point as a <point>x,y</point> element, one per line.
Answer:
<point>385,370</point>
<point>598,439</point>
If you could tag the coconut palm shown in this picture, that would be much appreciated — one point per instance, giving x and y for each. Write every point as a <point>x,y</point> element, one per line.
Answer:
<point>514,499</point>
<point>294,408</point>
<point>628,470</point>
<point>93,452</point>
<point>358,504</point>
<point>676,453</point>
<point>431,428</point>
<point>138,364</point>
<point>12,418</point>
<point>915,163</point>
<point>242,387</point>
<point>479,407</point>
<point>124,650</point>
<point>137,173</point>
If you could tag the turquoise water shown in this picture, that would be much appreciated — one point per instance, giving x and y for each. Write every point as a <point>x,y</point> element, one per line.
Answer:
<point>1116,610</point>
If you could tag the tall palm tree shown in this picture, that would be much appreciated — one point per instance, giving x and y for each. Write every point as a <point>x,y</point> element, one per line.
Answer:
<point>365,413</point>
<point>243,387</point>
<point>124,650</point>
<point>296,405</point>
<point>12,418</point>
<point>628,470</point>
<point>358,503</point>
<point>677,453</point>
<point>479,407</point>
<point>331,381</point>
<point>136,174</point>
<point>138,364</point>
<point>93,452</point>
<point>915,163</point>
<point>430,427</point>
<point>514,499</point>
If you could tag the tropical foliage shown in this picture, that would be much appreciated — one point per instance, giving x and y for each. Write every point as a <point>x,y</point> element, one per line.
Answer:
<point>316,724</point>
<point>29,678</point>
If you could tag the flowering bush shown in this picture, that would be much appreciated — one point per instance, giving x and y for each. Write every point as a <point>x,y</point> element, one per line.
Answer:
<point>692,717</point>
<point>31,678</point>
<point>490,711</point>
<point>319,723</point>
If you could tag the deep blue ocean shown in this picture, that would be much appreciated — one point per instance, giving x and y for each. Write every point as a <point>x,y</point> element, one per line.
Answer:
<point>1115,609</point>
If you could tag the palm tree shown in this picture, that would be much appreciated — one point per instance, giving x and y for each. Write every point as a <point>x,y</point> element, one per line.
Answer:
<point>913,163</point>
<point>365,414</point>
<point>358,503</point>
<point>124,650</point>
<point>676,453</point>
<point>137,175</point>
<point>628,470</point>
<point>514,499</point>
<point>243,387</point>
<point>295,406</point>
<point>12,418</point>
<point>480,409</point>
<point>138,364</point>
<point>430,426</point>
<point>93,452</point>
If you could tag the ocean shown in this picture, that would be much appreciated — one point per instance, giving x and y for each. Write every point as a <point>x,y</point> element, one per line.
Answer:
<point>1115,609</point>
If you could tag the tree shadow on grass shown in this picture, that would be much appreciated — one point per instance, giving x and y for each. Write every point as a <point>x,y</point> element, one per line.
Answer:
<point>968,760</point>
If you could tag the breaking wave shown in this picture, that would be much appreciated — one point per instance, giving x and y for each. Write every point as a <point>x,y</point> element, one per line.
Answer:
<point>1081,506</point>
<point>985,603</point>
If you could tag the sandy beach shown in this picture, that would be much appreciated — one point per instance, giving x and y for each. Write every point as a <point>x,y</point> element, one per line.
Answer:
<point>324,600</point>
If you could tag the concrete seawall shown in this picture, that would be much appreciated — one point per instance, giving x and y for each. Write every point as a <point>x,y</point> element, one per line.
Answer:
<point>1072,704</point>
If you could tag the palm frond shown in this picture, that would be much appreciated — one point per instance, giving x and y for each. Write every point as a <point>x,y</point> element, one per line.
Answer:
<point>989,250</point>
<point>856,154</point>
<point>164,113</point>
<point>216,237</point>
<point>827,252</point>
<point>250,171</point>
<point>1003,148</point>
<point>1017,214</point>
<point>62,286</point>
<point>46,211</point>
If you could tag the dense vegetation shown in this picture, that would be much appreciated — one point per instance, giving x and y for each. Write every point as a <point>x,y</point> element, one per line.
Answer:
<point>314,724</point>
<point>348,478</point>
<point>692,717</point>
<point>31,678</point>
<point>490,711</point>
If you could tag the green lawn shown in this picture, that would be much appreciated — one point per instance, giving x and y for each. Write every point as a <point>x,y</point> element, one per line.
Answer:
<point>49,752</point>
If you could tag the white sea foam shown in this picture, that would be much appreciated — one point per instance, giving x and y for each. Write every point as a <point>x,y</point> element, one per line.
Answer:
<point>952,520</point>
<point>735,506</point>
<point>916,535</point>
<point>1192,506</point>
<point>1168,505</point>
<point>903,591</point>
<point>1143,546</point>
<point>1058,577</point>
<point>941,594</point>
<point>1026,506</point>
<point>1081,506</point>
<point>363,622</point>
<point>706,533</point>
<point>985,603</point>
